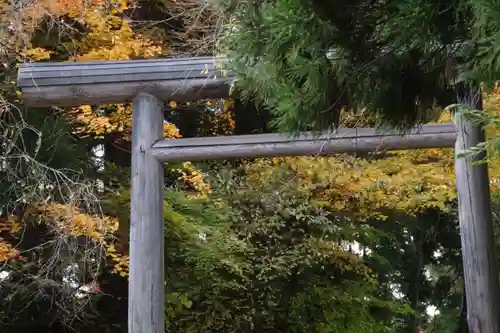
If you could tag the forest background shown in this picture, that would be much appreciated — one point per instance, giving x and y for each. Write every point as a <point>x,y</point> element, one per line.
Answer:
<point>339,244</point>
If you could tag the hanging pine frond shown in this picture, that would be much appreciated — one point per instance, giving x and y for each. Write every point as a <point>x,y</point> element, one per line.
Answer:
<point>308,59</point>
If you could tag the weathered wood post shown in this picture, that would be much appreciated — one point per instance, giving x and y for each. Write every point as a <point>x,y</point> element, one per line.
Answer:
<point>146,290</point>
<point>476,225</point>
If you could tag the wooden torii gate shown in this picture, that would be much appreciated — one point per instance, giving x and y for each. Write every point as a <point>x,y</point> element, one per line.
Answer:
<point>148,83</point>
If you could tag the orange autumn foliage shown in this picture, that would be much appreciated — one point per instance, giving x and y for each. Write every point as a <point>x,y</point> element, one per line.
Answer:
<point>110,119</point>
<point>61,219</point>
<point>7,252</point>
<point>69,220</point>
<point>8,226</point>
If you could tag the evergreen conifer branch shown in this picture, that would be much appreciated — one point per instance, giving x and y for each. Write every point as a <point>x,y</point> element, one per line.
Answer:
<point>308,59</point>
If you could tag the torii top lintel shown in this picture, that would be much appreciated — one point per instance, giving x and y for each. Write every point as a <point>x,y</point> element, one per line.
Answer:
<point>113,82</point>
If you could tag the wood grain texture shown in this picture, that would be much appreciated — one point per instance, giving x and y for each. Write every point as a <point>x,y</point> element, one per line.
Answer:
<point>476,231</point>
<point>146,280</point>
<point>361,140</point>
<point>79,83</point>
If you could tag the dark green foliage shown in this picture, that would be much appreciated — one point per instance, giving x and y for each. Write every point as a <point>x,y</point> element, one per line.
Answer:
<point>271,262</point>
<point>38,151</point>
<point>307,59</point>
